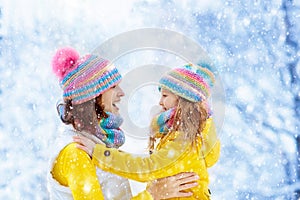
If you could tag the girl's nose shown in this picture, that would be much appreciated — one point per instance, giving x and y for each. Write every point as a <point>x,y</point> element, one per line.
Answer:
<point>161,102</point>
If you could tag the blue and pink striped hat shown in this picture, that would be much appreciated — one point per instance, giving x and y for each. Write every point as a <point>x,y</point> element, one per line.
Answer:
<point>191,82</point>
<point>83,79</point>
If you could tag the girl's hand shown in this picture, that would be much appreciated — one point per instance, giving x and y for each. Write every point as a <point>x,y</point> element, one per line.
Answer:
<point>85,144</point>
<point>172,186</point>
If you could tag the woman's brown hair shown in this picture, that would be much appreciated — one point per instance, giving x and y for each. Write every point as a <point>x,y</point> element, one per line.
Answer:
<point>84,112</point>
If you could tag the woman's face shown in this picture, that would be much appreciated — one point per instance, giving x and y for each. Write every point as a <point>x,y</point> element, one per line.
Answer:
<point>111,98</point>
<point>168,99</point>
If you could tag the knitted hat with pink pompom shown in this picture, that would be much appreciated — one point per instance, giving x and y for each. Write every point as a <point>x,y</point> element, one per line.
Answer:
<point>83,79</point>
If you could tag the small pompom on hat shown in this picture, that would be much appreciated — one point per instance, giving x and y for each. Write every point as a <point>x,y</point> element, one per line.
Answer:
<point>83,79</point>
<point>191,82</point>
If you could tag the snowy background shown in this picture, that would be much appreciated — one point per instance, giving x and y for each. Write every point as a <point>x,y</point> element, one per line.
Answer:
<point>255,47</point>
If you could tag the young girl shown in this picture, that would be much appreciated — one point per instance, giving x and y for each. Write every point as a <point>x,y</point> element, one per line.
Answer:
<point>183,136</point>
<point>91,94</point>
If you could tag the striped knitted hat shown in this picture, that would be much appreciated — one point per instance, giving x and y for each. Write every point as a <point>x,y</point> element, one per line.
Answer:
<point>191,82</point>
<point>83,79</point>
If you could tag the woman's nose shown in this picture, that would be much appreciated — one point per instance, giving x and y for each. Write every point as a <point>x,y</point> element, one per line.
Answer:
<point>121,92</point>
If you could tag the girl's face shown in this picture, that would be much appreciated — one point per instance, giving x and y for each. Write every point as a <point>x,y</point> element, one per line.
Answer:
<point>168,99</point>
<point>111,98</point>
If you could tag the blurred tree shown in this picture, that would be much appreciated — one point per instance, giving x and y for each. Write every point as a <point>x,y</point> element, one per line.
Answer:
<point>292,51</point>
<point>1,37</point>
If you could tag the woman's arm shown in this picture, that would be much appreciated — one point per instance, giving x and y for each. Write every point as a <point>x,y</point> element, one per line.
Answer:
<point>74,168</point>
<point>173,186</point>
<point>169,187</point>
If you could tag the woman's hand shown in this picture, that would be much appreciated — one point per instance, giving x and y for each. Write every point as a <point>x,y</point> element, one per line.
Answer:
<point>85,144</point>
<point>172,186</point>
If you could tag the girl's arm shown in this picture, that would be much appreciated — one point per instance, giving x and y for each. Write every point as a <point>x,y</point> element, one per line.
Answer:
<point>142,168</point>
<point>138,167</point>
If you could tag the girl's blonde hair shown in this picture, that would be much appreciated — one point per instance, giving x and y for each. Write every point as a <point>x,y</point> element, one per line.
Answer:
<point>189,119</point>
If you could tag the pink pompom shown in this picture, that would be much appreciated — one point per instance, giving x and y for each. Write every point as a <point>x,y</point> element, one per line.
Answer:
<point>63,61</point>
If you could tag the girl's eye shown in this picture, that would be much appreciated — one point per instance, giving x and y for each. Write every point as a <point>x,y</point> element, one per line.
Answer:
<point>114,86</point>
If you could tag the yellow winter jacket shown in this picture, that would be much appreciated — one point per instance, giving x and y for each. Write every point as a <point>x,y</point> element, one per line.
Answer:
<point>173,156</point>
<point>74,168</point>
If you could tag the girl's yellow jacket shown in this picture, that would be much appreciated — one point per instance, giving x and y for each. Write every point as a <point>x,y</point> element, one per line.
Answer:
<point>174,155</point>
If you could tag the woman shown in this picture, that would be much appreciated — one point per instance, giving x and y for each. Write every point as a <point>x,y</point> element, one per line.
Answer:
<point>91,93</point>
<point>183,134</point>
